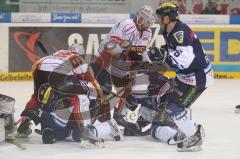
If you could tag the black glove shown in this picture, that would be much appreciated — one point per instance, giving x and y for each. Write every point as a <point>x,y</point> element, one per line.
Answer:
<point>157,55</point>
<point>134,56</point>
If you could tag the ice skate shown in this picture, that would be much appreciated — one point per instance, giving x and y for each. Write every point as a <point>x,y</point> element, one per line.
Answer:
<point>192,143</point>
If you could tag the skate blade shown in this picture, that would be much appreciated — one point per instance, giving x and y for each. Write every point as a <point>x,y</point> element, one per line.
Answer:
<point>85,144</point>
<point>192,149</point>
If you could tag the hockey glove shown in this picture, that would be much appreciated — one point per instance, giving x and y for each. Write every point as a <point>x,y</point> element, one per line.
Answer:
<point>157,55</point>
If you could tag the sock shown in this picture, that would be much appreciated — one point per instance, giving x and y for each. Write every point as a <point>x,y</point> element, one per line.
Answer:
<point>187,126</point>
<point>102,129</point>
<point>163,133</point>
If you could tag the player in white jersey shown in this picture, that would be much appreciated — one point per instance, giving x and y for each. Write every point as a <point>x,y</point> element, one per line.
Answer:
<point>126,43</point>
<point>64,83</point>
<point>66,72</point>
<point>184,53</point>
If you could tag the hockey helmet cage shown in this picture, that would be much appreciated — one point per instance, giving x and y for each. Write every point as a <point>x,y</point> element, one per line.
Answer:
<point>170,9</point>
<point>147,13</point>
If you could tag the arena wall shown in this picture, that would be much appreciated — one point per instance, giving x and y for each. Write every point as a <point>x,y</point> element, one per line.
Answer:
<point>26,37</point>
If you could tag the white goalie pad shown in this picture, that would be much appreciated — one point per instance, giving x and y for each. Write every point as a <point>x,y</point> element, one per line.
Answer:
<point>6,104</point>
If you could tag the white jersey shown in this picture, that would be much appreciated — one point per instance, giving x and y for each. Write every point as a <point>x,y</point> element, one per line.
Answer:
<point>126,35</point>
<point>68,63</point>
<point>64,62</point>
<point>126,31</point>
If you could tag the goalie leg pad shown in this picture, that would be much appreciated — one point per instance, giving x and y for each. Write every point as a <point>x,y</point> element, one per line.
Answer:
<point>6,104</point>
<point>10,124</point>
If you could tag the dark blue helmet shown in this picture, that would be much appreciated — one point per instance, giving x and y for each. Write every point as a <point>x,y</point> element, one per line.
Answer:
<point>168,8</point>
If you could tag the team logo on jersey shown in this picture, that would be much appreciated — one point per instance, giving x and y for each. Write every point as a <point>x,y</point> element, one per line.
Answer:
<point>179,36</point>
<point>125,43</point>
<point>138,49</point>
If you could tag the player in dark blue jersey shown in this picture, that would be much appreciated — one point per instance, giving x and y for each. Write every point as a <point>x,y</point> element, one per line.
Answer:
<point>183,53</point>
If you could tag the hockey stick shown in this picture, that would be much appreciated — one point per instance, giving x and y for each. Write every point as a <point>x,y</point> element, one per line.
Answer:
<point>154,36</point>
<point>42,47</point>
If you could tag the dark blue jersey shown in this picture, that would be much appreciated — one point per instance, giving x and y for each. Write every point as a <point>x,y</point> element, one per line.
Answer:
<point>187,55</point>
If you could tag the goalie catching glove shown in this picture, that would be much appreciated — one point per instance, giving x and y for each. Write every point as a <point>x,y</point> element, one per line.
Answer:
<point>158,55</point>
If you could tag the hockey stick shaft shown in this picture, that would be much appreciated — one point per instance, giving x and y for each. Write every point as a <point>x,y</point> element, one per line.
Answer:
<point>154,36</point>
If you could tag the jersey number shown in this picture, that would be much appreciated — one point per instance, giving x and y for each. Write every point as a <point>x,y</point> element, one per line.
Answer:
<point>177,53</point>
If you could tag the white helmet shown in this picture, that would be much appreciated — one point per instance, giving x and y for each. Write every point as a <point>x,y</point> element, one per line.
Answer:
<point>77,48</point>
<point>147,13</point>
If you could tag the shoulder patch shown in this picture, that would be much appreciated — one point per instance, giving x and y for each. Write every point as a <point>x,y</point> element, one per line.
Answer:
<point>179,36</point>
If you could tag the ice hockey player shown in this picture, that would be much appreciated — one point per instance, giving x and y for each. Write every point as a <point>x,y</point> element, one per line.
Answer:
<point>41,75</point>
<point>126,43</point>
<point>184,53</point>
<point>64,115</point>
<point>142,102</point>
<point>6,116</point>
<point>66,73</point>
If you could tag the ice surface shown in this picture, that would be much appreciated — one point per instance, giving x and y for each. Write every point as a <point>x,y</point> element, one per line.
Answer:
<point>214,109</point>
